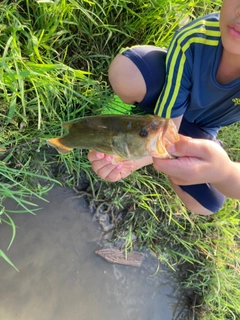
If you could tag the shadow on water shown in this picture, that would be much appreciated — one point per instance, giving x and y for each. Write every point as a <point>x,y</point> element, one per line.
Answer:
<point>60,277</point>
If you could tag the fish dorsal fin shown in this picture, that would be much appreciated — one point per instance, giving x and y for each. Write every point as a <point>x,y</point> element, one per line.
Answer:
<point>67,125</point>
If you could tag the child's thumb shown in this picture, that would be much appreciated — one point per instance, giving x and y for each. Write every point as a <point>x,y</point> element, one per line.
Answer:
<point>186,148</point>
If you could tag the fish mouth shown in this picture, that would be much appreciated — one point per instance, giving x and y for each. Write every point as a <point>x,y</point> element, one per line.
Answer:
<point>162,143</point>
<point>158,146</point>
<point>162,140</point>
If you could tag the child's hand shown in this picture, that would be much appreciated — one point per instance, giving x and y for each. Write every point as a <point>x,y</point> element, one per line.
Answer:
<point>199,161</point>
<point>103,167</point>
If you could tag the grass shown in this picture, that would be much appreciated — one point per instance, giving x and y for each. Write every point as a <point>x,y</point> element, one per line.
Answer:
<point>53,68</point>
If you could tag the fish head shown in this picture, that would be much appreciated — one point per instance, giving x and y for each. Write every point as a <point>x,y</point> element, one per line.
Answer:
<point>159,134</point>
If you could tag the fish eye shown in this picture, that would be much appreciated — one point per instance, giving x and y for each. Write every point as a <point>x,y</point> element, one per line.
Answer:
<point>143,133</point>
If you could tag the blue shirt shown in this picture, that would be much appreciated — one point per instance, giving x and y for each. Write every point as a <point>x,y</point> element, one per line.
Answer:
<point>191,88</point>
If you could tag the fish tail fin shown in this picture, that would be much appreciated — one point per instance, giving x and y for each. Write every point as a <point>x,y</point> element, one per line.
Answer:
<point>57,144</point>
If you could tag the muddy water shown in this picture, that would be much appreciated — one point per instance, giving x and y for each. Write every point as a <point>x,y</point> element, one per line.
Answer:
<point>60,277</point>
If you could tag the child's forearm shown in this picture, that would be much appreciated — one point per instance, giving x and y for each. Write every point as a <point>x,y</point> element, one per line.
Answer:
<point>230,184</point>
<point>201,161</point>
<point>143,162</point>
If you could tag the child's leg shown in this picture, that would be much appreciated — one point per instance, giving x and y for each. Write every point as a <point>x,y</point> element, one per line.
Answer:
<point>137,75</point>
<point>202,199</point>
<point>190,202</point>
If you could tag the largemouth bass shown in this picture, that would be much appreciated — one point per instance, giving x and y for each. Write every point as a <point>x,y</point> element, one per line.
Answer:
<point>127,137</point>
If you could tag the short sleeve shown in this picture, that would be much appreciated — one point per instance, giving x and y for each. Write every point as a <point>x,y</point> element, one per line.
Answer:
<point>174,97</point>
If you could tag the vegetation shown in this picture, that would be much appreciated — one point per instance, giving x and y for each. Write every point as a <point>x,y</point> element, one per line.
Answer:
<point>53,68</point>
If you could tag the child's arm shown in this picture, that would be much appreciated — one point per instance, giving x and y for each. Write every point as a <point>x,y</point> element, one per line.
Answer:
<point>201,161</point>
<point>231,185</point>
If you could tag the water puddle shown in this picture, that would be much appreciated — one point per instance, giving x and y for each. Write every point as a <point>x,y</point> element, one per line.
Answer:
<point>60,277</point>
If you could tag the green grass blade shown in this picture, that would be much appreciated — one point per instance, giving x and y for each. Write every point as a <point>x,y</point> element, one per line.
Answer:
<point>4,256</point>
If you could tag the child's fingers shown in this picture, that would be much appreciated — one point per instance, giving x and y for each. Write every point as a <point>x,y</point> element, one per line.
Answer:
<point>93,155</point>
<point>110,172</point>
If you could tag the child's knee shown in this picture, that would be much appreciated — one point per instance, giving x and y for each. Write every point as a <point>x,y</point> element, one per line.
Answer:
<point>126,80</point>
<point>137,75</point>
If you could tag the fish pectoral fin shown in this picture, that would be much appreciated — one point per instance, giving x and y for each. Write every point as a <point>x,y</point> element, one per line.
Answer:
<point>117,159</point>
<point>56,143</point>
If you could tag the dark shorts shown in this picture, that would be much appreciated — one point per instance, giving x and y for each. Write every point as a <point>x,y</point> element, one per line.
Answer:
<point>150,61</point>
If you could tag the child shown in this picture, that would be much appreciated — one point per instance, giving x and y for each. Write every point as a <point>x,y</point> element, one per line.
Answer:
<point>200,90</point>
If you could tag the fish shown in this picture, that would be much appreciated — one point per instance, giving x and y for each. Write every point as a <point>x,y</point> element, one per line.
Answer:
<point>126,137</point>
<point>133,259</point>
